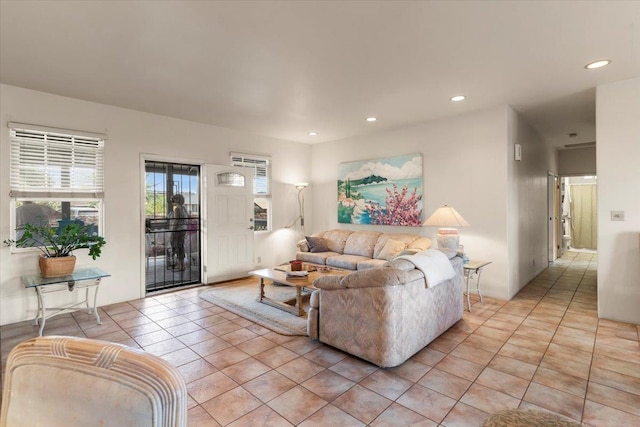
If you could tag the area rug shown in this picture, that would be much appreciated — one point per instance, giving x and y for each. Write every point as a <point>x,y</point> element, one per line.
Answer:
<point>241,298</point>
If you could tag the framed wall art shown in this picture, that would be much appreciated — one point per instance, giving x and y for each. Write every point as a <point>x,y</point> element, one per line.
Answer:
<point>385,191</point>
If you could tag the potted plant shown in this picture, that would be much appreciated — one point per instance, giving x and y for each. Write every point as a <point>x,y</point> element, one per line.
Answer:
<point>57,257</point>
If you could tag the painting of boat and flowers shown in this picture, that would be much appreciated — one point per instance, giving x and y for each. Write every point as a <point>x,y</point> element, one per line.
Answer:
<point>384,191</point>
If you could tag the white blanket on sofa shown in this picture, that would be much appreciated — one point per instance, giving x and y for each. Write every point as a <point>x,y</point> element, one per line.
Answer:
<point>434,264</point>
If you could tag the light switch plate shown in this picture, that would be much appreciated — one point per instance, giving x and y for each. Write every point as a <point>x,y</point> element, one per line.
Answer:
<point>617,215</point>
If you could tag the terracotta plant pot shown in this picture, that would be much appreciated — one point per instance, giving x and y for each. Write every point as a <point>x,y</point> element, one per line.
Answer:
<point>56,266</point>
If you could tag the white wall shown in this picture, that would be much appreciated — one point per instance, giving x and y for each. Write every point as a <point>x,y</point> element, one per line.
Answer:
<point>527,204</point>
<point>468,164</point>
<point>618,154</point>
<point>132,133</point>
<point>577,161</point>
<point>464,167</point>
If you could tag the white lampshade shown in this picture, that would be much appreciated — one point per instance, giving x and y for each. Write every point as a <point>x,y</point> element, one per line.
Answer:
<point>447,218</point>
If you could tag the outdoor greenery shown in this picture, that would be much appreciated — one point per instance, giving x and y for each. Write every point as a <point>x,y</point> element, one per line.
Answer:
<point>155,205</point>
<point>53,244</point>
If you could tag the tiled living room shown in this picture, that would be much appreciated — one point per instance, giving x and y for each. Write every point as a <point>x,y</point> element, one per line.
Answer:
<point>495,108</point>
<point>545,349</point>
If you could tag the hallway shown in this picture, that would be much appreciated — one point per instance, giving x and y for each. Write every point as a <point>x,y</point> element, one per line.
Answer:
<point>545,349</point>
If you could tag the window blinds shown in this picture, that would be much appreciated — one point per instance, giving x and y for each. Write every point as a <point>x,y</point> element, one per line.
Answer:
<point>50,164</point>
<point>262,167</point>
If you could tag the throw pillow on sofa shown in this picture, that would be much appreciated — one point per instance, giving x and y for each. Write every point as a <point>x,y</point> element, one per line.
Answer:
<point>391,249</point>
<point>316,244</point>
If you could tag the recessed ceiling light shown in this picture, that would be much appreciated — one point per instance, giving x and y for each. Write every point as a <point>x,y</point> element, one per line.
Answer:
<point>313,133</point>
<point>597,64</point>
<point>458,98</point>
<point>371,119</point>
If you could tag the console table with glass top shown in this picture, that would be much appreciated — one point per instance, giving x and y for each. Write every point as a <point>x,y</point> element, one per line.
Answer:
<point>471,268</point>
<point>81,278</point>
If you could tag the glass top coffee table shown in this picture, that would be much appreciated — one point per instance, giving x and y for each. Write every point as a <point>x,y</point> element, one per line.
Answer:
<point>279,275</point>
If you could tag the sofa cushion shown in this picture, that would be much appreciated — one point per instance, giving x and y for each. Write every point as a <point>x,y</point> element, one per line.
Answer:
<point>302,245</point>
<point>408,239</point>
<point>316,244</point>
<point>336,239</point>
<point>408,252</point>
<point>361,243</point>
<point>349,262</point>
<point>421,243</point>
<point>315,258</point>
<point>371,263</point>
<point>391,249</point>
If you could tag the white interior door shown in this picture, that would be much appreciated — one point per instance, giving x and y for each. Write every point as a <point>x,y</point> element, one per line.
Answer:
<point>553,197</point>
<point>229,225</point>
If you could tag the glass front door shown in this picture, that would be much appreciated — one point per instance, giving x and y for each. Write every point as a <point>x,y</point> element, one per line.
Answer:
<point>172,225</point>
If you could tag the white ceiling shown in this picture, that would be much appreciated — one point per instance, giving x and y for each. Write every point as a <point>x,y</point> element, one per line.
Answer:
<point>282,69</point>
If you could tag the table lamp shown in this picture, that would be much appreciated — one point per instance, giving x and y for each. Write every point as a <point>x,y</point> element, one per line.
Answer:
<point>448,219</point>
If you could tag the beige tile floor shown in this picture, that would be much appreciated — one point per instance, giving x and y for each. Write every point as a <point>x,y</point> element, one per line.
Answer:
<point>545,349</point>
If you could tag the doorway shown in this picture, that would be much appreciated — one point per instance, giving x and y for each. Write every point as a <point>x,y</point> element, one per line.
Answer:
<point>172,225</point>
<point>554,236</point>
<point>579,213</point>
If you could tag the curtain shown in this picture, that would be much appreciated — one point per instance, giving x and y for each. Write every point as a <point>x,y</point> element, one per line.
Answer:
<point>584,221</point>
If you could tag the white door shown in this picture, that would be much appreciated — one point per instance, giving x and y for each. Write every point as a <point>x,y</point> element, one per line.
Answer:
<point>229,225</point>
<point>553,201</point>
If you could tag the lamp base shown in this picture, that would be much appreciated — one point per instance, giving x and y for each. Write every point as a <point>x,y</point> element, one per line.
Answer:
<point>448,241</point>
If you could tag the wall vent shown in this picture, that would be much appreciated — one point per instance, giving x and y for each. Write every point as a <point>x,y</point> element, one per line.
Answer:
<point>580,145</point>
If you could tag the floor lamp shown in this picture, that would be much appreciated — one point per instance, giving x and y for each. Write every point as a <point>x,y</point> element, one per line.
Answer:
<point>300,187</point>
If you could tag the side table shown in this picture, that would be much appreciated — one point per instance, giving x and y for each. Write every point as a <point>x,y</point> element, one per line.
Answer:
<point>471,268</point>
<point>81,278</point>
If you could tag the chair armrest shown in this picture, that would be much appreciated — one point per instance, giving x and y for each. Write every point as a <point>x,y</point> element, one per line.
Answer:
<point>373,278</point>
<point>328,282</point>
<point>369,278</point>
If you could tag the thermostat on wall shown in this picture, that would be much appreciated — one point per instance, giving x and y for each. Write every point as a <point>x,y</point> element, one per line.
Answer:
<point>617,215</point>
<point>517,153</point>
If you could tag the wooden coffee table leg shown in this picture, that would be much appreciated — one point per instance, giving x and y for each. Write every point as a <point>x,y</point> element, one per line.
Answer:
<point>296,310</point>
<point>299,301</point>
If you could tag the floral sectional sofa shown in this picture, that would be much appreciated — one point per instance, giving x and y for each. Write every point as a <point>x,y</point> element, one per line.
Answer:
<point>384,315</point>
<point>358,250</point>
<point>385,311</point>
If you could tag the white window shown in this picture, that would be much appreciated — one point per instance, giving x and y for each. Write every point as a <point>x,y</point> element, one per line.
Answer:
<point>56,176</point>
<point>261,187</point>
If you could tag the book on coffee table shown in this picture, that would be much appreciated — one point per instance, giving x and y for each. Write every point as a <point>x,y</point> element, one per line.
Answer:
<point>296,274</point>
